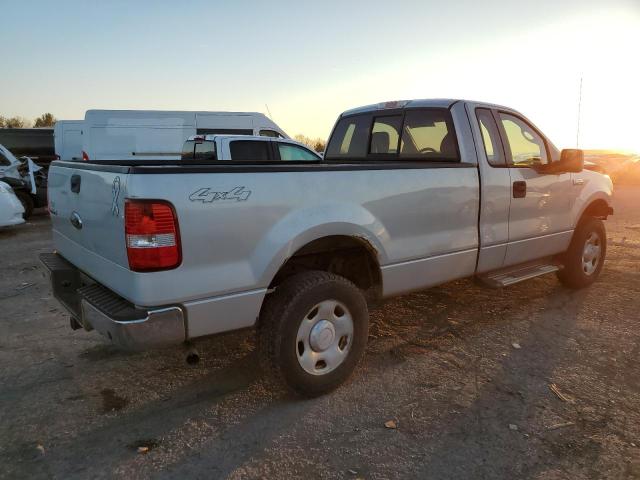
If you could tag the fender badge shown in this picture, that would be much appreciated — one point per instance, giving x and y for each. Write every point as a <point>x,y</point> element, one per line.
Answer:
<point>207,195</point>
<point>115,193</point>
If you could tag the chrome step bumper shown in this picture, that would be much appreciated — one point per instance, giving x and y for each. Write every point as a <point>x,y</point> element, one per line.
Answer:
<point>96,307</point>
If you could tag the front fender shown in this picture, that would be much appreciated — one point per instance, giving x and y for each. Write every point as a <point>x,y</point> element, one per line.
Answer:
<point>302,226</point>
<point>596,187</point>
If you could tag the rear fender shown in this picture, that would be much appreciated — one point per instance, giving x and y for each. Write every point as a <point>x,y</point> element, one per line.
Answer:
<point>303,226</point>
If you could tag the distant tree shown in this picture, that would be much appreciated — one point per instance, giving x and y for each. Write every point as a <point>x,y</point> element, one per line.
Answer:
<point>16,122</point>
<point>45,120</point>
<point>3,121</point>
<point>317,144</point>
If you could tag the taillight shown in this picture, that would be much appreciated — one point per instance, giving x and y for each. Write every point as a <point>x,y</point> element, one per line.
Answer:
<point>85,157</point>
<point>152,235</point>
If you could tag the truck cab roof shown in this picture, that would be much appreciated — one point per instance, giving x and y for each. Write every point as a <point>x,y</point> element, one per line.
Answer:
<point>417,103</point>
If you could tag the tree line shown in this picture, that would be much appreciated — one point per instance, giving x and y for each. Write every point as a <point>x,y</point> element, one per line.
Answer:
<point>44,120</point>
<point>48,120</point>
<point>317,144</point>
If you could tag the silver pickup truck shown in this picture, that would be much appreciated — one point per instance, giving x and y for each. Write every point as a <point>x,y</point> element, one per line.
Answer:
<point>409,195</point>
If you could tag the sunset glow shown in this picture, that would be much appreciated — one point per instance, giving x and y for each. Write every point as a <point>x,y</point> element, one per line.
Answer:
<point>332,56</point>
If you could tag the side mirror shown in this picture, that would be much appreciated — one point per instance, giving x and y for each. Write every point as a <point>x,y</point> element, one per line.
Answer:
<point>571,160</point>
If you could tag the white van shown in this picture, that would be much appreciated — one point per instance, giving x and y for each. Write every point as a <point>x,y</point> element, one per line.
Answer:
<point>67,137</point>
<point>159,135</point>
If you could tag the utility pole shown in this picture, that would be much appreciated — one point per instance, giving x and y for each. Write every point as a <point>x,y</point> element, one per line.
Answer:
<point>579,106</point>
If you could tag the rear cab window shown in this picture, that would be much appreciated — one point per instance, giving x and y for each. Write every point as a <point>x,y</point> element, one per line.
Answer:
<point>429,134</point>
<point>350,137</point>
<point>416,134</point>
<point>385,135</point>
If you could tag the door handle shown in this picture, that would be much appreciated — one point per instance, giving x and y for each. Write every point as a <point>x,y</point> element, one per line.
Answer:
<point>519,189</point>
<point>578,181</point>
<point>75,183</point>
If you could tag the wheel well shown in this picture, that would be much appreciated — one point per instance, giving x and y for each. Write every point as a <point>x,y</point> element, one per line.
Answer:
<point>597,209</point>
<point>349,257</point>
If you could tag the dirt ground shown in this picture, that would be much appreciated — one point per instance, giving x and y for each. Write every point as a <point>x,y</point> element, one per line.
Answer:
<point>463,371</point>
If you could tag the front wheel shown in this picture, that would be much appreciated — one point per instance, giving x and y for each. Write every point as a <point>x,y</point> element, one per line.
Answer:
<point>584,259</point>
<point>313,332</point>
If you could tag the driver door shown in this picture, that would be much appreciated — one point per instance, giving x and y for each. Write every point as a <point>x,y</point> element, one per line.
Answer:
<point>540,211</point>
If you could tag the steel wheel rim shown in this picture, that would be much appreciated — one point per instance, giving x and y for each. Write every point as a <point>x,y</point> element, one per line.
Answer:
<point>591,253</point>
<point>325,336</point>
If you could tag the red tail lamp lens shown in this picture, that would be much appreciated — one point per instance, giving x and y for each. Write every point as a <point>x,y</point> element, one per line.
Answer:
<point>153,237</point>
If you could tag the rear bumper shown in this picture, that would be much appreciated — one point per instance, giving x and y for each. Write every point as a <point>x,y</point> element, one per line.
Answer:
<point>96,307</point>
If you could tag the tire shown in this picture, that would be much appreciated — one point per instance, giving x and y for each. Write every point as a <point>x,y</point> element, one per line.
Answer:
<point>27,203</point>
<point>303,334</point>
<point>582,266</point>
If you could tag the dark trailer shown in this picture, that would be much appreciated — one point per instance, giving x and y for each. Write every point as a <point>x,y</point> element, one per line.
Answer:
<point>36,143</point>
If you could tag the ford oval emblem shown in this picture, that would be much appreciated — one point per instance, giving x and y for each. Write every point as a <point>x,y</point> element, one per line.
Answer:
<point>75,220</point>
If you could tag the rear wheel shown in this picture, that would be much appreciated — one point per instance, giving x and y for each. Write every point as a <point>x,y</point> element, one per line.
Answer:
<point>584,259</point>
<point>27,203</point>
<point>313,331</point>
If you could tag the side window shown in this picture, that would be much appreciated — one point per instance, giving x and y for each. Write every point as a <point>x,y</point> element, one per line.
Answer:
<point>270,133</point>
<point>349,138</point>
<point>251,150</point>
<point>428,134</point>
<point>224,131</point>
<point>490,137</point>
<point>525,145</point>
<point>294,152</point>
<point>385,135</point>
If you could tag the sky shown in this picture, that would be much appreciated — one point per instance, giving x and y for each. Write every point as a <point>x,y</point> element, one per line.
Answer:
<point>306,62</point>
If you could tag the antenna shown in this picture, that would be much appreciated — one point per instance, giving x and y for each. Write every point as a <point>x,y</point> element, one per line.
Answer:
<point>579,106</point>
<point>268,111</point>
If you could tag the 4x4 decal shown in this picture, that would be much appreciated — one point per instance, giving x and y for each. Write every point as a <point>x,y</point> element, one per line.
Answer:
<point>207,195</point>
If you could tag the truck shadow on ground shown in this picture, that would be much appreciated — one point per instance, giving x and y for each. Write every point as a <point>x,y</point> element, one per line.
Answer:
<point>475,443</point>
<point>480,442</point>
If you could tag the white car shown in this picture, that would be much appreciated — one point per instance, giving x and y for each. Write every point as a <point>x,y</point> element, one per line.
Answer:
<point>11,209</point>
<point>246,148</point>
<point>25,178</point>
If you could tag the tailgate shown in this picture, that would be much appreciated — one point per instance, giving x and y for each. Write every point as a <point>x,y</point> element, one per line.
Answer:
<point>87,210</point>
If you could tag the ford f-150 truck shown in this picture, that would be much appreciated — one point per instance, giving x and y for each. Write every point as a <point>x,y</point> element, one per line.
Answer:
<point>409,194</point>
